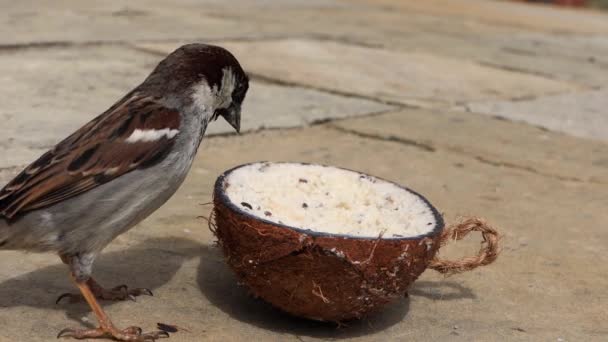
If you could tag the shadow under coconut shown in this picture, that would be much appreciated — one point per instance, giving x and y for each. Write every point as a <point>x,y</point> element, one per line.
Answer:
<point>219,284</point>
<point>442,290</point>
<point>150,264</point>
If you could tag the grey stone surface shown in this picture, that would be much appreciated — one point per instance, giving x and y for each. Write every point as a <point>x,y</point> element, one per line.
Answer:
<point>582,114</point>
<point>409,78</point>
<point>502,143</point>
<point>62,62</point>
<point>554,230</point>
<point>501,41</point>
<point>77,21</point>
<point>49,95</point>
<point>478,32</point>
<point>522,51</point>
<point>517,51</point>
<point>505,14</point>
<point>586,51</point>
<point>273,106</point>
<point>73,21</point>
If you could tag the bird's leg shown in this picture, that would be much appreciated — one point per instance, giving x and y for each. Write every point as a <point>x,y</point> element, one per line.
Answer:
<point>117,293</point>
<point>106,329</point>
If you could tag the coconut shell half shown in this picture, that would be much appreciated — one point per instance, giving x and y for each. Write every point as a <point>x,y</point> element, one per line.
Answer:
<point>320,274</point>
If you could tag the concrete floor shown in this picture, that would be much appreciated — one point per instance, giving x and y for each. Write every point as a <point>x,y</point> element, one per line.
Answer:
<point>488,108</point>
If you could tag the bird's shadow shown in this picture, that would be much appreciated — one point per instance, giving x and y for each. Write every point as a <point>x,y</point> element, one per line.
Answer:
<point>220,286</point>
<point>154,262</point>
<point>150,264</point>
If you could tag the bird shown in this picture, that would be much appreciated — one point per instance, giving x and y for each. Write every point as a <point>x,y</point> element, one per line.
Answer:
<point>118,169</point>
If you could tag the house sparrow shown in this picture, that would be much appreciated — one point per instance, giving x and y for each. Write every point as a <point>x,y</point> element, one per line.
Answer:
<point>119,168</point>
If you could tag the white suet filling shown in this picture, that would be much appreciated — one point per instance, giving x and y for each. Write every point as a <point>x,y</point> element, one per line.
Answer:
<point>330,200</point>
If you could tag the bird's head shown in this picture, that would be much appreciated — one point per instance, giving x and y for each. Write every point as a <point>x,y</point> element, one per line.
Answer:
<point>206,79</point>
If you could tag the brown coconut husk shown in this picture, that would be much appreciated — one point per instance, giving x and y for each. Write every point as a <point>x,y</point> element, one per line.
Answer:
<point>327,277</point>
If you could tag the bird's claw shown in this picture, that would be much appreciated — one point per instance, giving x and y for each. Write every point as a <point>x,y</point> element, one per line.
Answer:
<point>64,332</point>
<point>80,334</point>
<point>150,336</point>
<point>66,295</point>
<point>155,335</point>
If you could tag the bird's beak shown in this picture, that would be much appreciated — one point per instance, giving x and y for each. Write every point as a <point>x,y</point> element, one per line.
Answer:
<point>233,117</point>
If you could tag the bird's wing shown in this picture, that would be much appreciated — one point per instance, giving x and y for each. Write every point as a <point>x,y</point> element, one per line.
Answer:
<point>137,132</point>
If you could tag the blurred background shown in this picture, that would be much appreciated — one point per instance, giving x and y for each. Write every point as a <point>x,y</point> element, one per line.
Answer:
<point>488,108</point>
<point>575,3</point>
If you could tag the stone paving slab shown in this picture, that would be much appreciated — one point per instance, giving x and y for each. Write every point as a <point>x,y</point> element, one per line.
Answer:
<point>489,140</point>
<point>28,22</point>
<point>516,51</point>
<point>507,47</point>
<point>408,78</point>
<point>63,62</point>
<point>581,114</point>
<point>73,21</point>
<point>47,96</point>
<point>348,21</point>
<point>559,54</point>
<point>275,106</point>
<point>79,21</point>
<point>473,39</point>
<point>541,288</point>
<point>512,14</point>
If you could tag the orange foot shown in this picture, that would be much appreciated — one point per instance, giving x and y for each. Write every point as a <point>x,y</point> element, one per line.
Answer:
<point>106,328</point>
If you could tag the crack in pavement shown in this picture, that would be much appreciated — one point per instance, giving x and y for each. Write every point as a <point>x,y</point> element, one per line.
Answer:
<point>548,76</point>
<point>59,44</point>
<point>118,42</point>
<point>309,36</point>
<point>591,59</point>
<point>280,82</point>
<point>409,142</point>
<point>519,70</point>
<point>133,43</point>
<point>423,146</point>
<point>271,80</point>
<point>530,169</point>
<point>431,148</point>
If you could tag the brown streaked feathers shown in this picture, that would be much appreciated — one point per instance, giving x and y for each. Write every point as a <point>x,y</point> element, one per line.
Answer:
<point>93,155</point>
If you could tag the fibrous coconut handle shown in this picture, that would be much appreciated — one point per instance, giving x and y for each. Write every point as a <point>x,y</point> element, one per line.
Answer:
<point>487,254</point>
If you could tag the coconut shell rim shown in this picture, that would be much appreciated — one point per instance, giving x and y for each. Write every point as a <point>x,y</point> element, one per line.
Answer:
<point>223,197</point>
